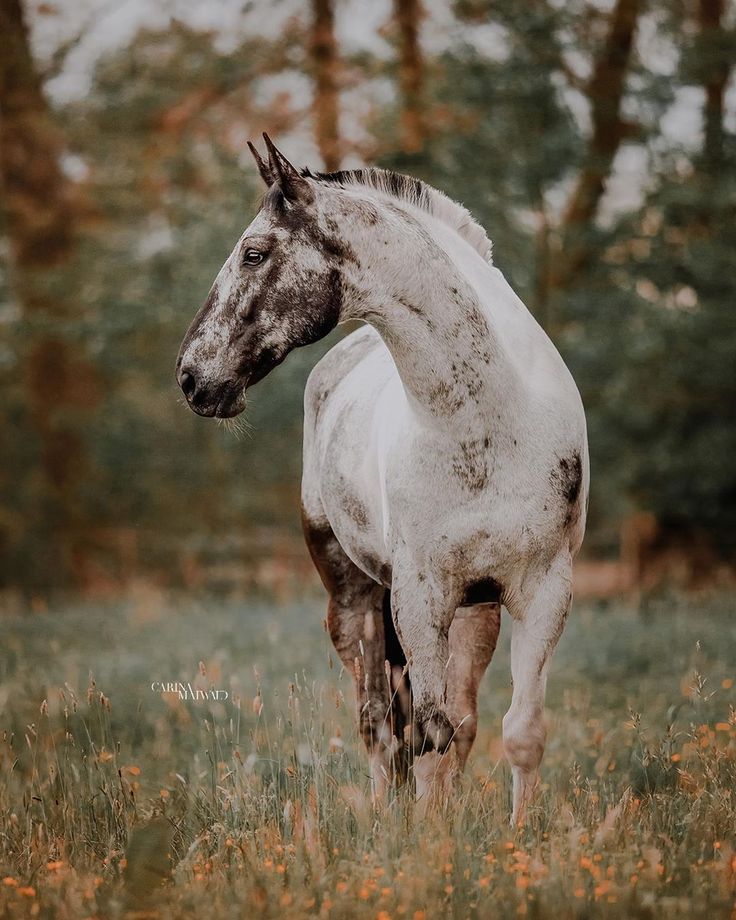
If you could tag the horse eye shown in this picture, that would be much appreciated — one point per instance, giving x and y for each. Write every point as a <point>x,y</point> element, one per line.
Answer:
<point>253,257</point>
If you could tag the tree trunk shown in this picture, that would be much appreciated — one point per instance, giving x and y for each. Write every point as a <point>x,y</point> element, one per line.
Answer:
<point>40,226</point>
<point>326,90</point>
<point>605,92</point>
<point>35,201</point>
<point>715,77</point>
<point>411,74</point>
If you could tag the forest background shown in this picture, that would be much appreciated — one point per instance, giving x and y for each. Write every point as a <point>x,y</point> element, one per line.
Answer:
<point>593,140</point>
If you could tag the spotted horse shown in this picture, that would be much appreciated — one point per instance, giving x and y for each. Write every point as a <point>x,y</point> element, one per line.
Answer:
<point>445,451</point>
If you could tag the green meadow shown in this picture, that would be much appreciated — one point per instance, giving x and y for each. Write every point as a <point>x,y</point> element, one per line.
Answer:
<point>119,800</point>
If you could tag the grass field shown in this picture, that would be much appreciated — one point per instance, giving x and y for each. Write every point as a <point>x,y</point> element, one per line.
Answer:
<point>118,800</point>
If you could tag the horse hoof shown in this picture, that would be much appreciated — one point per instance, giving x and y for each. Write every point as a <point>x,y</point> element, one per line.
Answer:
<point>435,733</point>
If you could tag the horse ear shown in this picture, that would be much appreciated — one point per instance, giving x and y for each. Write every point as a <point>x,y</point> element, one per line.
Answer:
<point>294,186</point>
<point>263,168</point>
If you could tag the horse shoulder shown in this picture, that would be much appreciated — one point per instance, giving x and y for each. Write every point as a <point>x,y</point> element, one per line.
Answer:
<point>334,367</point>
<point>338,411</point>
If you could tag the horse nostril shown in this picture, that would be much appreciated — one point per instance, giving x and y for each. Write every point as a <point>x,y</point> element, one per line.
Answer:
<point>188,384</point>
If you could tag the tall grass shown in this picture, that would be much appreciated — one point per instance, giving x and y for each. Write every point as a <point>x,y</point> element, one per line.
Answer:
<point>116,800</point>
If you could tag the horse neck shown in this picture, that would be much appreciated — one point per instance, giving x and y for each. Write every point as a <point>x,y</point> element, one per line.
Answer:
<point>408,283</point>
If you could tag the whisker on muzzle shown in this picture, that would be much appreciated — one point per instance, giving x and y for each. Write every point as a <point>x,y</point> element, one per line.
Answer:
<point>239,427</point>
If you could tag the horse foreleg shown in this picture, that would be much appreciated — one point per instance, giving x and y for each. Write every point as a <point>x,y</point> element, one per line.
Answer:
<point>422,624</point>
<point>537,626</point>
<point>422,619</point>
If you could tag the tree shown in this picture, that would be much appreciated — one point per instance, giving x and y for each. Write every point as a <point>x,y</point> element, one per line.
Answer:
<point>408,15</point>
<point>604,92</point>
<point>41,219</point>
<point>325,66</point>
<point>713,61</point>
<point>684,471</point>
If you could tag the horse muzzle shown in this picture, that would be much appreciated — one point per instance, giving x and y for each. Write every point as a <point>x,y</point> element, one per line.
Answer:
<point>223,400</point>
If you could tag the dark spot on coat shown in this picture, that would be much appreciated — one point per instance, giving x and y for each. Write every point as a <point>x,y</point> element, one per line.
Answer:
<point>301,221</point>
<point>407,305</point>
<point>355,510</point>
<point>330,246</point>
<point>470,465</point>
<point>234,299</point>
<point>319,401</point>
<point>569,477</point>
<point>445,399</point>
<point>378,570</point>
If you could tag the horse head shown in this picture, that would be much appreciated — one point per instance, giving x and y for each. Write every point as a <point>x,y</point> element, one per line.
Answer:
<point>279,289</point>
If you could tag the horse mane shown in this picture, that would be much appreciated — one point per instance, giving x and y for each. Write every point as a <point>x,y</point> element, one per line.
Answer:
<point>418,193</point>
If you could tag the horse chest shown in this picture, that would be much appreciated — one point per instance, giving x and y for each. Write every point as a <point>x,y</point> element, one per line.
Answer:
<point>445,503</point>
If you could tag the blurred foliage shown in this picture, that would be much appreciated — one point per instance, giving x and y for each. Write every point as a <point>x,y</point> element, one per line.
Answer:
<point>646,325</point>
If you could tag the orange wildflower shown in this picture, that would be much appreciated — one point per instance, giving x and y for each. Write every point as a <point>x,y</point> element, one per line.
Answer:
<point>601,889</point>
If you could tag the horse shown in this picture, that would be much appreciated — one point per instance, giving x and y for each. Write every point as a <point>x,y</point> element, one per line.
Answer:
<point>445,462</point>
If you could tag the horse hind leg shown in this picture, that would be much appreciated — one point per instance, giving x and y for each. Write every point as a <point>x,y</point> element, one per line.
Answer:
<point>356,630</point>
<point>356,626</point>
<point>472,641</point>
<point>473,637</point>
<point>397,673</point>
